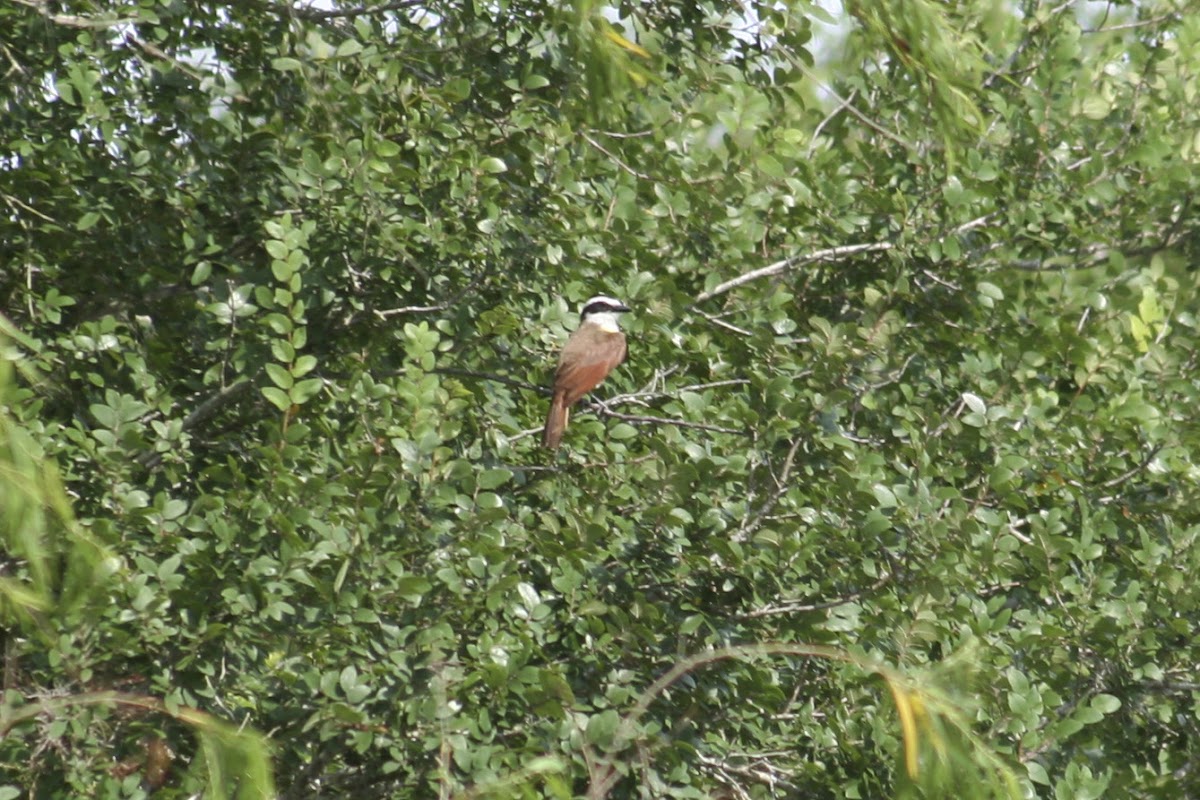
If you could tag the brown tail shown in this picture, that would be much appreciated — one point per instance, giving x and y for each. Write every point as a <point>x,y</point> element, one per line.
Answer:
<point>556,421</point>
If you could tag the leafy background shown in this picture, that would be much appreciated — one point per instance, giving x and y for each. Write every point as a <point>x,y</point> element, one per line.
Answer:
<point>895,495</point>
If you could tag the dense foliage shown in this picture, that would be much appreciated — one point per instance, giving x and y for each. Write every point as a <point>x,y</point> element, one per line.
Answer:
<point>896,492</point>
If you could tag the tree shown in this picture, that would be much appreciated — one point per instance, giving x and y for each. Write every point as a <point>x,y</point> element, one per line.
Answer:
<point>894,495</point>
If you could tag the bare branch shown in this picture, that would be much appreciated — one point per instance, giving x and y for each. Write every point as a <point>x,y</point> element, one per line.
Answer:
<point>317,14</point>
<point>816,134</point>
<point>199,415</point>
<point>766,773</point>
<point>16,201</point>
<point>615,158</point>
<point>601,410</point>
<point>1125,26</point>
<point>1171,686</point>
<point>971,225</point>
<point>1134,471</point>
<point>715,320</point>
<point>210,406</point>
<point>633,135</point>
<point>648,394</point>
<point>73,20</point>
<point>752,524</point>
<point>847,104</point>
<point>794,607</point>
<point>710,657</point>
<point>828,254</point>
<point>870,123</point>
<point>490,376</point>
<point>394,312</point>
<point>601,407</point>
<point>433,309</point>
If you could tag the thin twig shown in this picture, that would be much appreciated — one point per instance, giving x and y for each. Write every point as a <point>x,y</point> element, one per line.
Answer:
<point>18,202</point>
<point>847,104</point>
<point>433,309</point>
<point>816,134</point>
<point>1108,484</point>
<point>619,162</point>
<point>723,324</point>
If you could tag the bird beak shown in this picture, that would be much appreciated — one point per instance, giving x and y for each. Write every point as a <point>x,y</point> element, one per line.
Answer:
<point>623,309</point>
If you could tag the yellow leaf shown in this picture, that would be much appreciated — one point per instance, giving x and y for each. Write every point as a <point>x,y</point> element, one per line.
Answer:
<point>908,726</point>
<point>625,44</point>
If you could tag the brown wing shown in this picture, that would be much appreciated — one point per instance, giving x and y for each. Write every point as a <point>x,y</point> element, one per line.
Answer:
<point>586,360</point>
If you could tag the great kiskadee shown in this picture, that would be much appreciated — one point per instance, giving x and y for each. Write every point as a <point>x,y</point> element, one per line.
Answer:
<point>595,349</point>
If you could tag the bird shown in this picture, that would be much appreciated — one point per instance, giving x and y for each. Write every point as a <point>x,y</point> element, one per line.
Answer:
<point>595,349</point>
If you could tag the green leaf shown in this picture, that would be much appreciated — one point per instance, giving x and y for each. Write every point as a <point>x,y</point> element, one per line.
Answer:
<point>412,588</point>
<point>349,47</point>
<point>884,496</point>
<point>348,678</point>
<point>1096,107</point>
<point>104,415</point>
<point>304,365</point>
<point>622,431</point>
<point>168,567</point>
<point>280,376</point>
<point>174,509</point>
<point>493,165</point>
<point>491,478</point>
<point>201,273</point>
<point>305,390</point>
<point>602,728</point>
<point>457,89</point>
<point>277,398</point>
